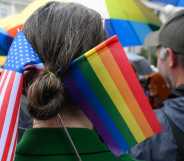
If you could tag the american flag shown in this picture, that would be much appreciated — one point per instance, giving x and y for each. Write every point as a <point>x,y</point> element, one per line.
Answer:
<point>20,56</point>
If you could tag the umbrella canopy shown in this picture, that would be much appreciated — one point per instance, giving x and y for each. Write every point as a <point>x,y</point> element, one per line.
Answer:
<point>173,2</point>
<point>129,19</point>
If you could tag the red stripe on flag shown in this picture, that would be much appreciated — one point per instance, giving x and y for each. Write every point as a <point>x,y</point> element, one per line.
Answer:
<point>13,121</point>
<point>6,101</point>
<point>130,77</point>
<point>5,74</point>
<point>14,147</point>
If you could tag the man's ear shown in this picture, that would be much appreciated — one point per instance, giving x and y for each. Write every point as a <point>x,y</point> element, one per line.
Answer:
<point>171,58</point>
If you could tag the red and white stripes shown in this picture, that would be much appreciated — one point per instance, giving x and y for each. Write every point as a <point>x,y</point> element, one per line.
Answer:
<point>10,94</point>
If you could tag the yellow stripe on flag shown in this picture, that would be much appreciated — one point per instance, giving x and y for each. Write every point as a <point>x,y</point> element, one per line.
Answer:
<point>116,97</point>
<point>109,62</point>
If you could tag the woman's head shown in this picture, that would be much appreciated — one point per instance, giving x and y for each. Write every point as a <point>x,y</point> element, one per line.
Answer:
<point>59,32</point>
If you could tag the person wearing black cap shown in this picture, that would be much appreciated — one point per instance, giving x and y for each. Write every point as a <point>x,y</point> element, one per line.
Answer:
<point>169,144</point>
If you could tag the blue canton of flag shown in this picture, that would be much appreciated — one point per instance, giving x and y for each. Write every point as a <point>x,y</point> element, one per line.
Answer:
<point>21,54</point>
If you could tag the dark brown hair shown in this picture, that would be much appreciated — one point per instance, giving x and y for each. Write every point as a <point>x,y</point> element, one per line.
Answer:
<point>59,32</point>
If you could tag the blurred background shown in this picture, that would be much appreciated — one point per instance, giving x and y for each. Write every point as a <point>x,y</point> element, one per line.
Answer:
<point>133,21</point>
<point>163,9</point>
<point>10,7</point>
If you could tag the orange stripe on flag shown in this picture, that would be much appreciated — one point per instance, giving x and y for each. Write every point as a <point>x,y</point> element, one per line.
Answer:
<point>109,62</point>
<point>134,84</point>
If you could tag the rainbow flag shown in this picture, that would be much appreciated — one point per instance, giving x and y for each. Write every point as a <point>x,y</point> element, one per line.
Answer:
<point>104,85</point>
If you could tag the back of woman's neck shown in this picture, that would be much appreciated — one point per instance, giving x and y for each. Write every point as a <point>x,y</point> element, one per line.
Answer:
<point>77,120</point>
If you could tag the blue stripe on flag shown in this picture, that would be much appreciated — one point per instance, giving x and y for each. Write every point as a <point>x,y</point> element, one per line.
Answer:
<point>74,91</point>
<point>94,102</point>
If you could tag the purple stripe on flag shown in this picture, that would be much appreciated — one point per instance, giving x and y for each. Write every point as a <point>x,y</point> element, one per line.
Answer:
<point>76,96</point>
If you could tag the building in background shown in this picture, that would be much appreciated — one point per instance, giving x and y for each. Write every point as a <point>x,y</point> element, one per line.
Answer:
<point>10,7</point>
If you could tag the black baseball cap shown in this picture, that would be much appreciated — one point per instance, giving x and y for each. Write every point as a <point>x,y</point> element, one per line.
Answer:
<point>170,35</point>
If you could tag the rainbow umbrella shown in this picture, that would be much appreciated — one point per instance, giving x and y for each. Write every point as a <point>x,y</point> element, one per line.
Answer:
<point>129,19</point>
<point>173,2</point>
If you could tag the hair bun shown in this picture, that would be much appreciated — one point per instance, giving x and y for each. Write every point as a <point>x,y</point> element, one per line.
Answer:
<point>45,96</point>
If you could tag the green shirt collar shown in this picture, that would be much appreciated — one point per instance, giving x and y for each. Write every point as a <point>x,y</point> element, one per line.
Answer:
<point>40,141</point>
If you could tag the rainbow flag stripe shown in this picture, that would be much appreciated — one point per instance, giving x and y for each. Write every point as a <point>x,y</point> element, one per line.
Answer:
<point>105,86</point>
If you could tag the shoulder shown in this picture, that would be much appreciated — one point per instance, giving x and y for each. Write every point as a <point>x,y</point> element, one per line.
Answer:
<point>127,157</point>
<point>111,157</point>
<point>161,116</point>
<point>158,147</point>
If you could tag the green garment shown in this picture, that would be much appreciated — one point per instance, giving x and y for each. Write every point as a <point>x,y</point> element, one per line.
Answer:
<point>51,144</point>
